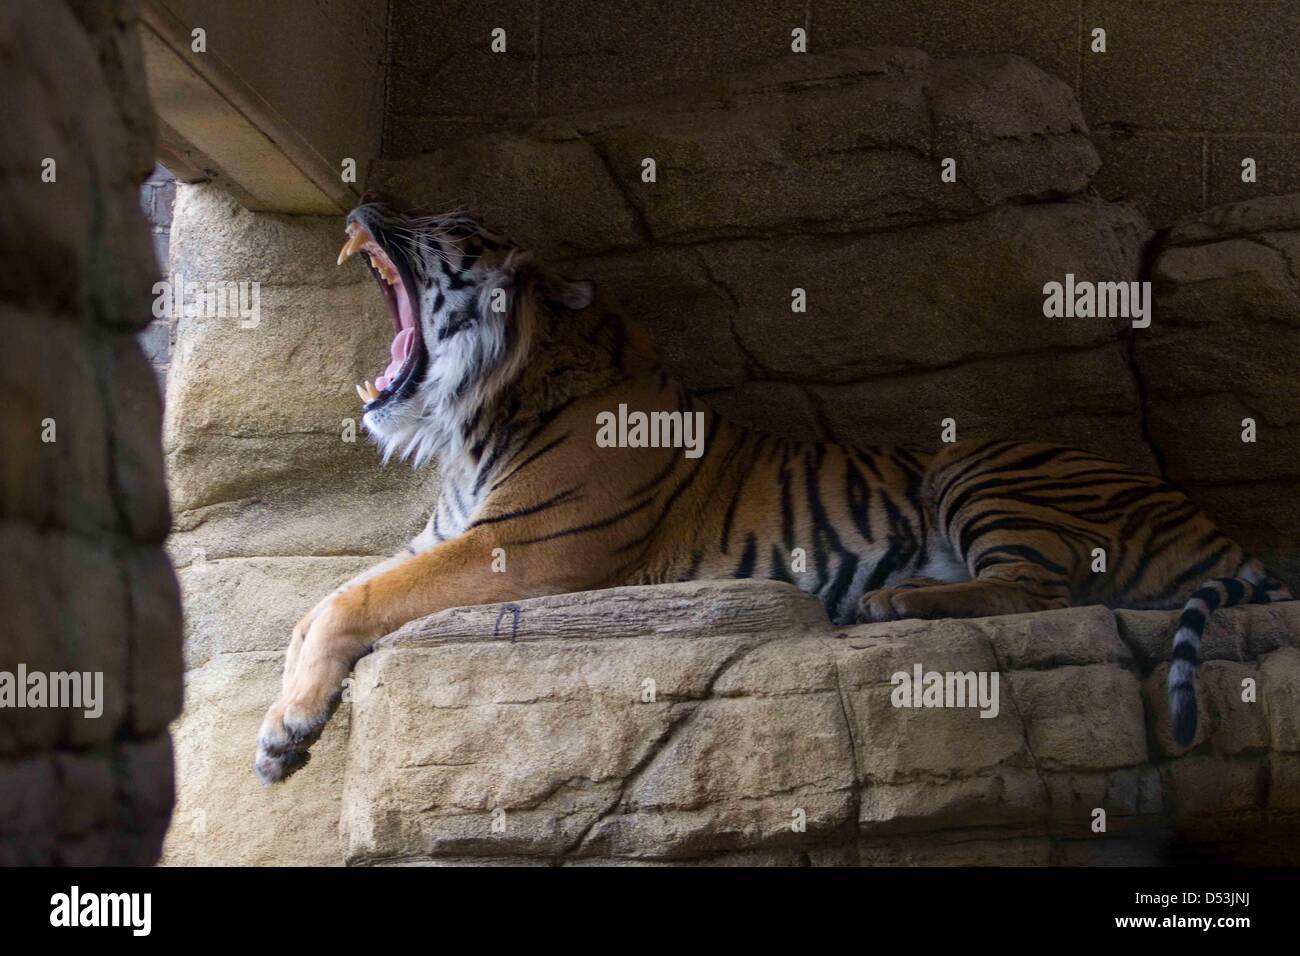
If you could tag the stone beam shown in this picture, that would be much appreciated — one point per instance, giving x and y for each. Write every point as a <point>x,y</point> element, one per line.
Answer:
<point>268,101</point>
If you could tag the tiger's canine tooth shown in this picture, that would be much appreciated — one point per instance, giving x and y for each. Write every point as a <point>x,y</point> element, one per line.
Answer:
<point>356,241</point>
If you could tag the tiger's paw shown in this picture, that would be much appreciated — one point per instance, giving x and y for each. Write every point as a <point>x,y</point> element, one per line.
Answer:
<point>897,602</point>
<point>289,729</point>
<point>877,606</point>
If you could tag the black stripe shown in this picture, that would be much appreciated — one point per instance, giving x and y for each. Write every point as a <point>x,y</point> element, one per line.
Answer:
<point>590,526</point>
<point>1030,556</point>
<point>748,559</point>
<point>738,442</point>
<point>485,468</point>
<point>1197,571</point>
<point>696,557</point>
<point>1001,520</point>
<point>972,461</point>
<point>459,505</point>
<point>857,492</point>
<point>1234,591</point>
<point>682,485</point>
<point>1193,620</point>
<point>1121,500</point>
<point>913,463</point>
<point>543,420</point>
<point>824,538</point>
<point>868,462</point>
<point>530,459</point>
<point>731,514</point>
<point>840,584</point>
<point>562,498</point>
<point>787,502</point>
<point>961,498</point>
<point>1210,596</point>
<point>887,565</point>
<point>779,571</point>
<point>660,476</point>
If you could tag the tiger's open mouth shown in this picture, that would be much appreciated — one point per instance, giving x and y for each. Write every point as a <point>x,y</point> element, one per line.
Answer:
<point>406,356</point>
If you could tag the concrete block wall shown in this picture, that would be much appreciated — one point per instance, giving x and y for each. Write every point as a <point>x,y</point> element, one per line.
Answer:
<point>1185,90</point>
<point>84,580</point>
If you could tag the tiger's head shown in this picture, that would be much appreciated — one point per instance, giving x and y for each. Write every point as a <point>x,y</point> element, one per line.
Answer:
<point>469,307</point>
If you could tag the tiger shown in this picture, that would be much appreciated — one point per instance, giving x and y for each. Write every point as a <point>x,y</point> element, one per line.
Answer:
<point>502,370</point>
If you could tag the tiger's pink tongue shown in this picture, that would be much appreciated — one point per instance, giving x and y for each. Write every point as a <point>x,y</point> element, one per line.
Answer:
<point>403,342</point>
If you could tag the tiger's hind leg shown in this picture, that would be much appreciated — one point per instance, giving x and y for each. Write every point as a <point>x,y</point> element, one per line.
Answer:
<point>1004,589</point>
<point>1004,525</point>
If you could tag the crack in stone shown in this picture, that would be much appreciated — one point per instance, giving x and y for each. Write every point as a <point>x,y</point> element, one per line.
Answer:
<point>660,744</point>
<point>634,209</point>
<point>655,748</point>
<point>753,365</point>
<point>1024,731</point>
<point>855,802</point>
<point>928,216</point>
<point>1150,253</point>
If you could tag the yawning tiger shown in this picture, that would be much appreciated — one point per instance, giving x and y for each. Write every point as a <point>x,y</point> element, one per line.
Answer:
<point>504,372</point>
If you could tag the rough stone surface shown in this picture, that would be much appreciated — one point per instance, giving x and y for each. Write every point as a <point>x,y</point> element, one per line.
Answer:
<point>223,817</point>
<point>275,507</point>
<point>84,580</point>
<point>744,729</point>
<point>1183,92</point>
<point>238,615</point>
<point>924,301</point>
<point>849,140</point>
<point>1225,347</point>
<point>264,442</point>
<point>821,173</point>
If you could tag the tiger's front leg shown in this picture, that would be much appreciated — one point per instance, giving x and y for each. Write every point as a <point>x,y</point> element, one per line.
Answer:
<point>343,627</point>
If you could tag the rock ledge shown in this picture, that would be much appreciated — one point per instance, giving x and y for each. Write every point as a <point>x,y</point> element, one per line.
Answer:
<point>735,725</point>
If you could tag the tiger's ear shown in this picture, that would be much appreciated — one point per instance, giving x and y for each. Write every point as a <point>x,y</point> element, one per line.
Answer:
<point>572,294</point>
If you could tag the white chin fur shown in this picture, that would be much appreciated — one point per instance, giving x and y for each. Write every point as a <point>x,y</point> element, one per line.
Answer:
<point>428,423</point>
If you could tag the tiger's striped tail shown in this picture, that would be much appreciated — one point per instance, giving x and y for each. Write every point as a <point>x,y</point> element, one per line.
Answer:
<point>1209,597</point>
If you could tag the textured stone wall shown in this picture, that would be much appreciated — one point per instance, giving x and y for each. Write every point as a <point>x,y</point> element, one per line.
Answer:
<point>821,173</point>
<point>279,497</point>
<point>1185,90</point>
<point>84,581</point>
<point>924,301</point>
<point>727,722</point>
<point>1224,349</point>
<point>924,298</point>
